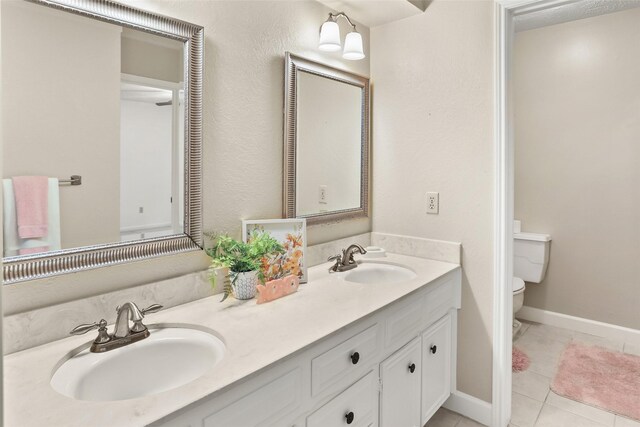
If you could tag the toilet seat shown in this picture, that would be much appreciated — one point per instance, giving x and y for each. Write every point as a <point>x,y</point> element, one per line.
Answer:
<point>518,301</point>
<point>518,285</point>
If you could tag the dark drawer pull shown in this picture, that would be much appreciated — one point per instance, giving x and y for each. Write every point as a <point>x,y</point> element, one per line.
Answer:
<point>412,368</point>
<point>434,349</point>
<point>350,416</point>
<point>355,357</point>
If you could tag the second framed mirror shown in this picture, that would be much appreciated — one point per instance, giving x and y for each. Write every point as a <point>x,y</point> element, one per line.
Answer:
<point>326,142</point>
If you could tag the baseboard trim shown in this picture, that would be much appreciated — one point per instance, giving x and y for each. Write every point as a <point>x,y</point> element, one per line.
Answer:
<point>469,406</point>
<point>579,324</point>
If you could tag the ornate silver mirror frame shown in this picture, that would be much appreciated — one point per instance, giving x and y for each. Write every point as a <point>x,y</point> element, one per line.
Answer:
<point>293,65</point>
<point>21,268</point>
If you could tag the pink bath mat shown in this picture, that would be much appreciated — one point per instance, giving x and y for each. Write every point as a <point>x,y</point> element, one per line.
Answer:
<point>600,377</point>
<point>519,360</point>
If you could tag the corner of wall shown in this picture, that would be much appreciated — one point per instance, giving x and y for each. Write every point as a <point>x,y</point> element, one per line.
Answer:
<point>1,242</point>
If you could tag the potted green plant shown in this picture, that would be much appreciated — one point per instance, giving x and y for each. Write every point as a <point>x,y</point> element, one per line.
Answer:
<point>243,261</point>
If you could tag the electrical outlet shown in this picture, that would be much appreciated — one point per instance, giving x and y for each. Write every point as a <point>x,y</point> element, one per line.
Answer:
<point>433,203</point>
<point>322,195</point>
<point>141,209</point>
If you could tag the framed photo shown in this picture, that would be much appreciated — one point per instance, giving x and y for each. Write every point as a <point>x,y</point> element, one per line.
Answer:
<point>292,234</point>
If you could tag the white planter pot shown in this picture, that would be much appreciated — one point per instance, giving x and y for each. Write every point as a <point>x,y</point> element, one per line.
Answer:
<point>244,285</point>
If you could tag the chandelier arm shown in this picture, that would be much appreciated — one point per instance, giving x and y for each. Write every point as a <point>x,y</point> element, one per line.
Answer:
<point>342,15</point>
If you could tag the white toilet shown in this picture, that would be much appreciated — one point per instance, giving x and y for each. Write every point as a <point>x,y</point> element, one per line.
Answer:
<point>530,261</point>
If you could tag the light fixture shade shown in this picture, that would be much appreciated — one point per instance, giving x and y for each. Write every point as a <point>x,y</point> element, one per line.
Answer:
<point>329,37</point>
<point>353,46</point>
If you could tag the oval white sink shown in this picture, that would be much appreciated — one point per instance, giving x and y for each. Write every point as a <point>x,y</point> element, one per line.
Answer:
<point>168,358</point>
<point>379,273</point>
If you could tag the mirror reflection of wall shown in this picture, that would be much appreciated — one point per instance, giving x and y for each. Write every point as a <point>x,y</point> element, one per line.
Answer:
<point>89,98</point>
<point>329,145</point>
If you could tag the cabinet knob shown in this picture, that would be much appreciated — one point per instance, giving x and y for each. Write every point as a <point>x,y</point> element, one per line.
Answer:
<point>412,368</point>
<point>434,349</point>
<point>349,417</point>
<point>355,357</point>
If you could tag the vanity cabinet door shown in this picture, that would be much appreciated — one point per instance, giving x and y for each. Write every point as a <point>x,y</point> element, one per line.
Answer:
<point>400,397</point>
<point>436,367</point>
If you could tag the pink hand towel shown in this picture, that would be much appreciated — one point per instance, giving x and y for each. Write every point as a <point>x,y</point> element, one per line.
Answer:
<point>32,205</point>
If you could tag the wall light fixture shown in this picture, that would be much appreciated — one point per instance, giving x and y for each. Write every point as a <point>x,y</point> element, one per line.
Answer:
<point>330,38</point>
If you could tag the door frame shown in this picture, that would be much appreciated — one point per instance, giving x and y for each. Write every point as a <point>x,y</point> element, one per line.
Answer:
<point>504,13</point>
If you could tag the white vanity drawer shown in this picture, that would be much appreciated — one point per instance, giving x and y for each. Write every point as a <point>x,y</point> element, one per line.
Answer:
<point>404,322</point>
<point>344,362</point>
<point>265,406</point>
<point>439,300</point>
<point>354,407</point>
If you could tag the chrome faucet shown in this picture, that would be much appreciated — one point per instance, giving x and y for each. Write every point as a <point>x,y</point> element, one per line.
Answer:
<point>345,261</point>
<point>125,312</point>
<point>122,333</point>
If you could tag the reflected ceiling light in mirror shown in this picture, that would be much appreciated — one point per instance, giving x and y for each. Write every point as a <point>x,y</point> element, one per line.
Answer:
<point>330,38</point>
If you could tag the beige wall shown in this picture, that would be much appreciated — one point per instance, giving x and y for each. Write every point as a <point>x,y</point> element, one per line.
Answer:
<point>432,131</point>
<point>49,78</point>
<point>577,133</point>
<point>243,100</point>
<point>152,56</point>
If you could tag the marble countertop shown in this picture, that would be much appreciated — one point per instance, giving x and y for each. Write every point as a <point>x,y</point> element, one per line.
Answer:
<point>30,400</point>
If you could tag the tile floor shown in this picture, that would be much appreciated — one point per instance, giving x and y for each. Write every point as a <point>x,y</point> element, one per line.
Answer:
<point>533,403</point>
<point>446,418</point>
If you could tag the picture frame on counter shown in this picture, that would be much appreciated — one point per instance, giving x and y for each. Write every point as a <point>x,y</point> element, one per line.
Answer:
<point>291,233</point>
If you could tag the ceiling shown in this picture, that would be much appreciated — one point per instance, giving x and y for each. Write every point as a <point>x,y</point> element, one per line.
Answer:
<point>153,39</point>
<point>571,11</point>
<point>373,13</point>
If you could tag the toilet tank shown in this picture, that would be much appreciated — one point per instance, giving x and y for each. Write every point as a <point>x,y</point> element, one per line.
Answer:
<point>531,256</point>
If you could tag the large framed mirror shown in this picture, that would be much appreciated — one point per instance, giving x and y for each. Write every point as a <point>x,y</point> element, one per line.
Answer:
<point>102,140</point>
<point>326,142</point>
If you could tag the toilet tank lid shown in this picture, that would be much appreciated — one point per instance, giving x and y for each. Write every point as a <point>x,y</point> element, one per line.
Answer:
<point>536,237</point>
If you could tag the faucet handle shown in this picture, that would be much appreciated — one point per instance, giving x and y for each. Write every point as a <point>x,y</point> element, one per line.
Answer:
<point>338,260</point>
<point>101,326</point>
<point>138,326</point>
<point>83,329</point>
<point>153,308</point>
<point>335,258</point>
